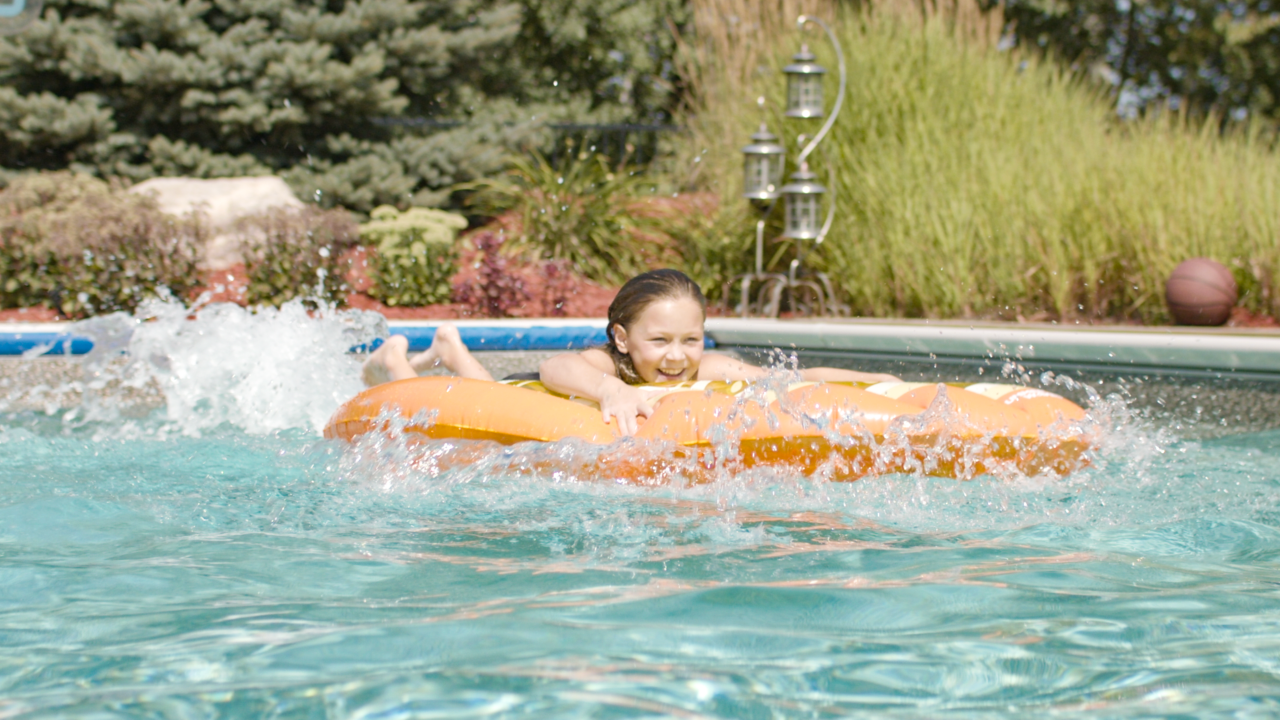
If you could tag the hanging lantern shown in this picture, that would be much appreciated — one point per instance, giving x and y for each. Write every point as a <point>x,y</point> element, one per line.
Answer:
<point>804,85</point>
<point>802,205</point>
<point>763,160</point>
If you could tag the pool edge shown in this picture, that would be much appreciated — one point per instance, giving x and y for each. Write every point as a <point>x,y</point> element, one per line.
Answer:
<point>1214,350</point>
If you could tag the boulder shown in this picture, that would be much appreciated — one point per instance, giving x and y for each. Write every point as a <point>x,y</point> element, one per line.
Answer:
<point>223,201</point>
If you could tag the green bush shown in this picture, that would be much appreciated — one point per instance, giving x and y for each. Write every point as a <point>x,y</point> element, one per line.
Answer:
<point>78,245</point>
<point>25,273</point>
<point>292,253</point>
<point>413,255</point>
<point>579,212</point>
<point>712,243</point>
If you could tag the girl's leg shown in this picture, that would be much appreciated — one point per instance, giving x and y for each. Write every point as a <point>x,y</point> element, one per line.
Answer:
<point>391,360</point>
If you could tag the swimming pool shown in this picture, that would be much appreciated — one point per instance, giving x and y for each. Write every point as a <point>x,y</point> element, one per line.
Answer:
<point>211,556</point>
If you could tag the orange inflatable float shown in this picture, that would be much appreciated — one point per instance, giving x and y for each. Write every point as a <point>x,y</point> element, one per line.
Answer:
<point>701,429</point>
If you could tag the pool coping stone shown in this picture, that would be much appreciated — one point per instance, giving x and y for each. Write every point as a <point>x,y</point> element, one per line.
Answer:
<point>1231,350</point>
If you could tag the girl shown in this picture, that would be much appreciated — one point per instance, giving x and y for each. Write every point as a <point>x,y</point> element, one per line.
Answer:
<point>655,334</point>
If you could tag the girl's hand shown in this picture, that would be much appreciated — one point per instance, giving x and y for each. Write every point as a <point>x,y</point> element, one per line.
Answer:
<point>823,374</point>
<point>625,403</point>
<point>881,377</point>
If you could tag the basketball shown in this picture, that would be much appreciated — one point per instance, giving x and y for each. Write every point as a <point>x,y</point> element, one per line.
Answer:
<point>1200,291</point>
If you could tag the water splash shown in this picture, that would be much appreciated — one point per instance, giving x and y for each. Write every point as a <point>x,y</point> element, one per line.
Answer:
<point>168,370</point>
<point>171,371</point>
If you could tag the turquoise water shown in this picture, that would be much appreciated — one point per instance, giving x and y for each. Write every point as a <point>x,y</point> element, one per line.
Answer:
<point>210,555</point>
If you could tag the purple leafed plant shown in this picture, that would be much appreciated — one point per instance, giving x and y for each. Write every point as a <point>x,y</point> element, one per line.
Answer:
<point>559,285</point>
<point>496,290</point>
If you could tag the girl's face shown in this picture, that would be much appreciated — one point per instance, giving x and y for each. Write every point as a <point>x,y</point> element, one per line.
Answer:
<point>665,342</point>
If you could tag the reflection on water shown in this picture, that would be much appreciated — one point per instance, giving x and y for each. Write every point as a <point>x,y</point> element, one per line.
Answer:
<point>216,558</point>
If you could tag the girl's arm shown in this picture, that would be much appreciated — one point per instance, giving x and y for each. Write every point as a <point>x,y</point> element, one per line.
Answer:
<point>838,375</point>
<point>722,367</point>
<point>590,374</point>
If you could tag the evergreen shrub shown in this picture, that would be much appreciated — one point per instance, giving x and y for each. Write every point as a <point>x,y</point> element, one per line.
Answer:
<point>298,253</point>
<point>356,103</point>
<point>83,247</point>
<point>414,258</point>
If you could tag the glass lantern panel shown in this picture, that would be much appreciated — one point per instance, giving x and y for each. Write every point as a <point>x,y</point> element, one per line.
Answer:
<point>811,93</point>
<point>754,173</point>
<point>795,93</point>
<point>762,173</point>
<point>802,216</point>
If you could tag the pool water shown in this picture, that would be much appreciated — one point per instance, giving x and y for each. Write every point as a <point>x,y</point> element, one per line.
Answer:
<point>211,556</point>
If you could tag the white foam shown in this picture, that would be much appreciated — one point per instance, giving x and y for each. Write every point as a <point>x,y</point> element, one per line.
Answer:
<point>260,370</point>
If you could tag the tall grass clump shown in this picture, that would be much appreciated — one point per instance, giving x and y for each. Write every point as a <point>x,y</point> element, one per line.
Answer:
<point>578,211</point>
<point>972,182</point>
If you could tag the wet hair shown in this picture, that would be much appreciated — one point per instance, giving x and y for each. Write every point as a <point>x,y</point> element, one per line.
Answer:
<point>638,294</point>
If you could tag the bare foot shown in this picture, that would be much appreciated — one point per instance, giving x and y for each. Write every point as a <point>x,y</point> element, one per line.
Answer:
<point>382,365</point>
<point>391,360</point>
<point>448,349</point>
<point>431,358</point>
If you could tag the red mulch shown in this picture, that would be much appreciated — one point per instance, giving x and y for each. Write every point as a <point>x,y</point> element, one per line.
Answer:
<point>30,315</point>
<point>1242,318</point>
<point>582,298</point>
<point>225,285</point>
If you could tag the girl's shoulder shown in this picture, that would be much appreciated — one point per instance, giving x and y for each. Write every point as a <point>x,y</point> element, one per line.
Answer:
<point>717,366</point>
<point>599,358</point>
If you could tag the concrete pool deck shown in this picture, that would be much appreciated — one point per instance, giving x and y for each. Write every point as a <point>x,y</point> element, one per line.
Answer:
<point>1183,350</point>
<point>1231,351</point>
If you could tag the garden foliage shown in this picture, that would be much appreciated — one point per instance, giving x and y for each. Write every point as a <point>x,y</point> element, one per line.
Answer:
<point>714,241</point>
<point>1213,55</point>
<point>496,290</point>
<point>327,94</point>
<point>75,244</point>
<point>972,182</point>
<point>298,253</point>
<point>414,258</point>
<point>578,211</point>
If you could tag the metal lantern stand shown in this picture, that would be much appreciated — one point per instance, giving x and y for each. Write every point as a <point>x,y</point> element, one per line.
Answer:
<point>764,160</point>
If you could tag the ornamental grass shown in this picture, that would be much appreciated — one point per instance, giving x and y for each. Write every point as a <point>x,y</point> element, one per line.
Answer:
<point>971,181</point>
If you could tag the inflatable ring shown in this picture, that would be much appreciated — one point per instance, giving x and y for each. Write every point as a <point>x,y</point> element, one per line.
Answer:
<point>701,429</point>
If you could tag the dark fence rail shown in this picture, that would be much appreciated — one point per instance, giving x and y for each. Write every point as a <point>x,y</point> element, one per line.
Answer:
<point>632,142</point>
<point>636,143</point>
